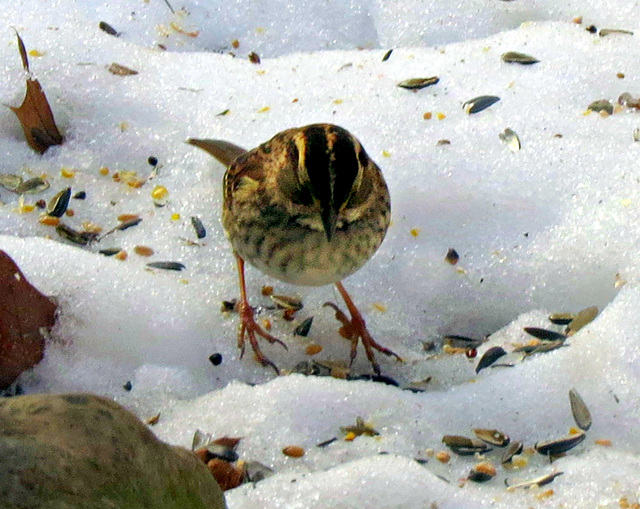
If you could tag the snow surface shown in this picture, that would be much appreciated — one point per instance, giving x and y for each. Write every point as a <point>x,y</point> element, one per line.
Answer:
<point>550,228</point>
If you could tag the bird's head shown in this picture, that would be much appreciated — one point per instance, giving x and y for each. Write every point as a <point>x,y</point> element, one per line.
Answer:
<point>327,173</point>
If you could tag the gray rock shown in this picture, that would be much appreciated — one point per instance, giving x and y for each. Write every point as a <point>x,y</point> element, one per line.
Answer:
<point>84,451</point>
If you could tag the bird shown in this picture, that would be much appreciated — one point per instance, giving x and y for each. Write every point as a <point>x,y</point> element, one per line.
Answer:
<point>308,207</point>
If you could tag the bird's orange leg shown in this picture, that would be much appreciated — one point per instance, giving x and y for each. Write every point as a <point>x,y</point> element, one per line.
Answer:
<point>355,329</point>
<point>249,325</point>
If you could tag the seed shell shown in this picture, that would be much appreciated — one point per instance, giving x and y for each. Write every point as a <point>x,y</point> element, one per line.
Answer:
<point>128,223</point>
<point>610,31</point>
<point>32,186</point>
<point>80,238</point>
<point>510,137</point>
<point>418,83</point>
<point>452,256</point>
<point>121,70</point>
<point>583,318</point>
<point>518,58</point>
<point>10,182</point>
<point>601,105</point>
<point>561,318</point>
<point>286,302</point>
<point>106,27</point>
<point>304,327</point>
<point>477,104</point>
<point>462,341</point>
<point>254,471</point>
<point>489,357</point>
<point>201,233</point>
<point>464,446</point>
<point>59,203</point>
<point>544,334</point>
<point>579,409</point>
<point>492,436</point>
<point>540,481</point>
<point>387,55</point>
<point>166,265</point>
<point>512,449</point>
<point>110,251</point>
<point>560,445</point>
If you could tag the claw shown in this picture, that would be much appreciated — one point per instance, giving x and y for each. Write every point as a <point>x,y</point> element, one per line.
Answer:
<point>355,328</point>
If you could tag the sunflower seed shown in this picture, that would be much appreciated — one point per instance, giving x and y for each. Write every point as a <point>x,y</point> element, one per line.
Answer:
<point>492,436</point>
<point>609,31</point>
<point>513,449</point>
<point>601,105</point>
<point>387,55</point>
<point>477,104</point>
<point>540,481</point>
<point>636,134</point>
<point>511,139</point>
<point>418,83</point>
<point>579,409</point>
<point>489,357</point>
<point>201,233</point>
<point>518,58</point>
<point>304,327</point>
<point>462,342</point>
<point>464,446</point>
<point>106,27</point>
<point>286,302</point>
<point>10,182</point>
<point>560,445</point>
<point>544,334</point>
<point>59,203</point>
<point>166,265</point>
<point>583,318</point>
<point>561,318</point>
<point>32,186</point>
<point>110,251</point>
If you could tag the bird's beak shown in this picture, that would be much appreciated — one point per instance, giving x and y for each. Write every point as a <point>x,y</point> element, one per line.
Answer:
<point>329,219</point>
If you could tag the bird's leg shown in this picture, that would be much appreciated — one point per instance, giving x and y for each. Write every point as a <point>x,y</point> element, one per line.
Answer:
<point>355,329</point>
<point>249,326</point>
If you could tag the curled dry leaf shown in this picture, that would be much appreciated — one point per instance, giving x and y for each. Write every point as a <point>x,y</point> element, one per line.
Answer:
<point>35,114</point>
<point>24,314</point>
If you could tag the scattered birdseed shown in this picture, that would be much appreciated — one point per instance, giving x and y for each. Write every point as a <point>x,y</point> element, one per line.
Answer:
<point>387,55</point>
<point>215,359</point>
<point>143,251</point>
<point>106,27</point>
<point>418,83</point>
<point>166,265</point>
<point>201,233</point>
<point>313,349</point>
<point>293,451</point>
<point>121,255</point>
<point>452,256</point>
<point>303,329</point>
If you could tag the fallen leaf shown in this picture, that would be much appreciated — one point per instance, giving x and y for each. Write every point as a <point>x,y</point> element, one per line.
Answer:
<point>24,313</point>
<point>34,113</point>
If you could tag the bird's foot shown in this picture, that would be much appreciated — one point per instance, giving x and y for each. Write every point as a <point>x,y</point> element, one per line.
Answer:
<point>356,328</point>
<point>250,328</point>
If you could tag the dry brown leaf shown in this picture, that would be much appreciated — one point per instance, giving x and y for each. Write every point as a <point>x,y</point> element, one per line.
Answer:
<point>24,313</point>
<point>34,113</point>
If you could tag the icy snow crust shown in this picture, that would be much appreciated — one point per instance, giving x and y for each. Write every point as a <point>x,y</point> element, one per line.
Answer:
<point>549,228</point>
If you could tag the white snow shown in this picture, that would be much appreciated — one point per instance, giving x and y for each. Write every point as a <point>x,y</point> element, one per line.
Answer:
<point>549,228</point>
